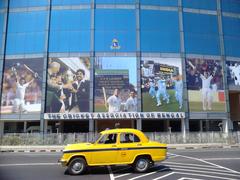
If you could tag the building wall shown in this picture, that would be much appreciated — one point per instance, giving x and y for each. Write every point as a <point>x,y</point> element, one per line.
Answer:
<point>40,31</point>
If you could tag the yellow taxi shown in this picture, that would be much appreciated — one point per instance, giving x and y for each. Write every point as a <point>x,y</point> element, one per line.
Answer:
<point>114,147</point>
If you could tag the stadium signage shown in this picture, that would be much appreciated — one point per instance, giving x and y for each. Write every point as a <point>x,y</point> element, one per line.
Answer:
<point>116,115</point>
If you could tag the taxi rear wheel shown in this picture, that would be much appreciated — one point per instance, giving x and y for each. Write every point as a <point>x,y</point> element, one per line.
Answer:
<point>141,164</point>
<point>77,166</point>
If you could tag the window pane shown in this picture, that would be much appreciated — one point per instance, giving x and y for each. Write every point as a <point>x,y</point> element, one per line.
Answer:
<point>159,31</point>
<point>70,31</point>
<point>200,4</point>
<point>115,1</point>
<point>201,34</point>
<point>27,3</point>
<point>160,2</point>
<point>231,6</point>
<point>115,24</point>
<point>26,32</point>
<point>70,2</point>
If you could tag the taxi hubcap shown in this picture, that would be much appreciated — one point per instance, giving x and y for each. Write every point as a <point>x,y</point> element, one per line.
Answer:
<point>77,166</point>
<point>142,164</point>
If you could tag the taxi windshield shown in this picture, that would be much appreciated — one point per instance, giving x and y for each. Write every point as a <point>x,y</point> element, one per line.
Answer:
<point>97,137</point>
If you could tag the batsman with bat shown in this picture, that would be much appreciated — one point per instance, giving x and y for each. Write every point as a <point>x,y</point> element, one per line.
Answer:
<point>21,85</point>
<point>206,78</point>
<point>114,102</point>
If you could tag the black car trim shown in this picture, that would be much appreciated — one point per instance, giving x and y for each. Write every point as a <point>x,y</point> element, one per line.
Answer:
<point>111,149</point>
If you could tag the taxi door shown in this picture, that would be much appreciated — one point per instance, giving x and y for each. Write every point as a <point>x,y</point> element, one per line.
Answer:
<point>105,150</point>
<point>129,145</point>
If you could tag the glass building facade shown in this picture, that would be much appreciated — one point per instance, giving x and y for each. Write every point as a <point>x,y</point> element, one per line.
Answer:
<point>84,65</point>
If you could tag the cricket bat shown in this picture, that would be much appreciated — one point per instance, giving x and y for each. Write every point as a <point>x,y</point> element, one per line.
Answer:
<point>190,63</point>
<point>29,69</point>
<point>105,97</point>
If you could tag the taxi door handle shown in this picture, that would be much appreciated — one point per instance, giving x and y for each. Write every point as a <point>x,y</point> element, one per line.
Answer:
<point>139,144</point>
<point>123,154</point>
<point>114,145</point>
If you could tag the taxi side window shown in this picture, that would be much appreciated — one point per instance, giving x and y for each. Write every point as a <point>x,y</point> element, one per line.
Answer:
<point>129,138</point>
<point>108,139</point>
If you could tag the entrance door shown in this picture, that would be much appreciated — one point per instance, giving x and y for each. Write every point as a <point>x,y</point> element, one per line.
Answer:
<point>234,101</point>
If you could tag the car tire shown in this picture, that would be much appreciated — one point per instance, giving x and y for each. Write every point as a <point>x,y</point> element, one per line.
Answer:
<point>77,166</point>
<point>141,164</point>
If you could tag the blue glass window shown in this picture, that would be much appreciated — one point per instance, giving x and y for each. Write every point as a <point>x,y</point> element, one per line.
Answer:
<point>26,32</point>
<point>115,24</point>
<point>159,31</point>
<point>70,31</point>
<point>3,3</point>
<point>200,4</point>
<point>231,6</point>
<point>201,34</point>
<point>27,3</point>
<point>160,2</point>
<point>70,2</point>
<point>115,1</point>
<point>231,30</point>
<point>1,29</point>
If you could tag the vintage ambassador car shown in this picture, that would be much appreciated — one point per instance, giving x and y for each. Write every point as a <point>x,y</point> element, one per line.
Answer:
<point>114,147</point>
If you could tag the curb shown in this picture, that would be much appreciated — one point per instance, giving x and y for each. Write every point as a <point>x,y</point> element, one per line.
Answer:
<point>29,151</point>
<point>59,149</point>
<point>203,147</point>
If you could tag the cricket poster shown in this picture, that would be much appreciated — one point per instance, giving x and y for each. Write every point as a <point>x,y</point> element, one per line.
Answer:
<point>68,85</point>
<point>205,85</point>
<point>233,74</point>
<point>162,85</point>
<point>22,86</point>
<point>115,84</point>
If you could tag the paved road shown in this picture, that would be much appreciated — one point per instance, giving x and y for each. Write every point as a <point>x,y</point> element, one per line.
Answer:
<point>200,164</point>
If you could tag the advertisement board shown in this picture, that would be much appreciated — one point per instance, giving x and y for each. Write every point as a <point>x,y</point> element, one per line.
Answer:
<point>68,85</point>
<point>115,84</point>
<point>22,86</point>
<point>162,85</point>
<point>205,85</point>
<point>233,74</point>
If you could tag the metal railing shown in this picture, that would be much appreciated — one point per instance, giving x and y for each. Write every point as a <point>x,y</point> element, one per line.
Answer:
<point>163,137</point>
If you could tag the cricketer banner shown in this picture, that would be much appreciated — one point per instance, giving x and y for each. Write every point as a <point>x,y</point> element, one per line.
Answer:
<point>22,86</point>
<point>115,84</point>
<point>162,86</point>
<point>205,85</point>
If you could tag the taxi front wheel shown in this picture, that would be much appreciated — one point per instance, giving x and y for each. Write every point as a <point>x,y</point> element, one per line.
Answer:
<point>77,166</point>
<point>141,164</point>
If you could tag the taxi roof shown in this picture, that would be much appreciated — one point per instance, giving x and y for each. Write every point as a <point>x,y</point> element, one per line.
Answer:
<point>127,130</point>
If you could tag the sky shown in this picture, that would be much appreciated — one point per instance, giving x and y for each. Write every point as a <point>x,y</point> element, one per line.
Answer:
<point>127,63</point>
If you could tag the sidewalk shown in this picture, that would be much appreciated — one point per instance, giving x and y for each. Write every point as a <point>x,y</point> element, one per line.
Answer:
<point>58,148</point>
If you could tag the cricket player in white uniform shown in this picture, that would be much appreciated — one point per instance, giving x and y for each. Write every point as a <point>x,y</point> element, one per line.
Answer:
<point>19,101</point>
<point>131,103</point>
<point>236,73</point>
<point>152,90</point>
<point>114,102</point>
<point>178,86</point>
<point>206,91</point>
<point>162,91</point>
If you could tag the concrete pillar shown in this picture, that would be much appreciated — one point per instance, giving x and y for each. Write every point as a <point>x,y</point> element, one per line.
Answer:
<point>167,125</point>
<point>139,124</point>
<point>25,126</point>
<point>1,128</point>
<point>91,125</point>
<point>201,125</point>
<point>183,128</point>
<point>207,125</point>
<point>45,126</point>
<point>225,126</point>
